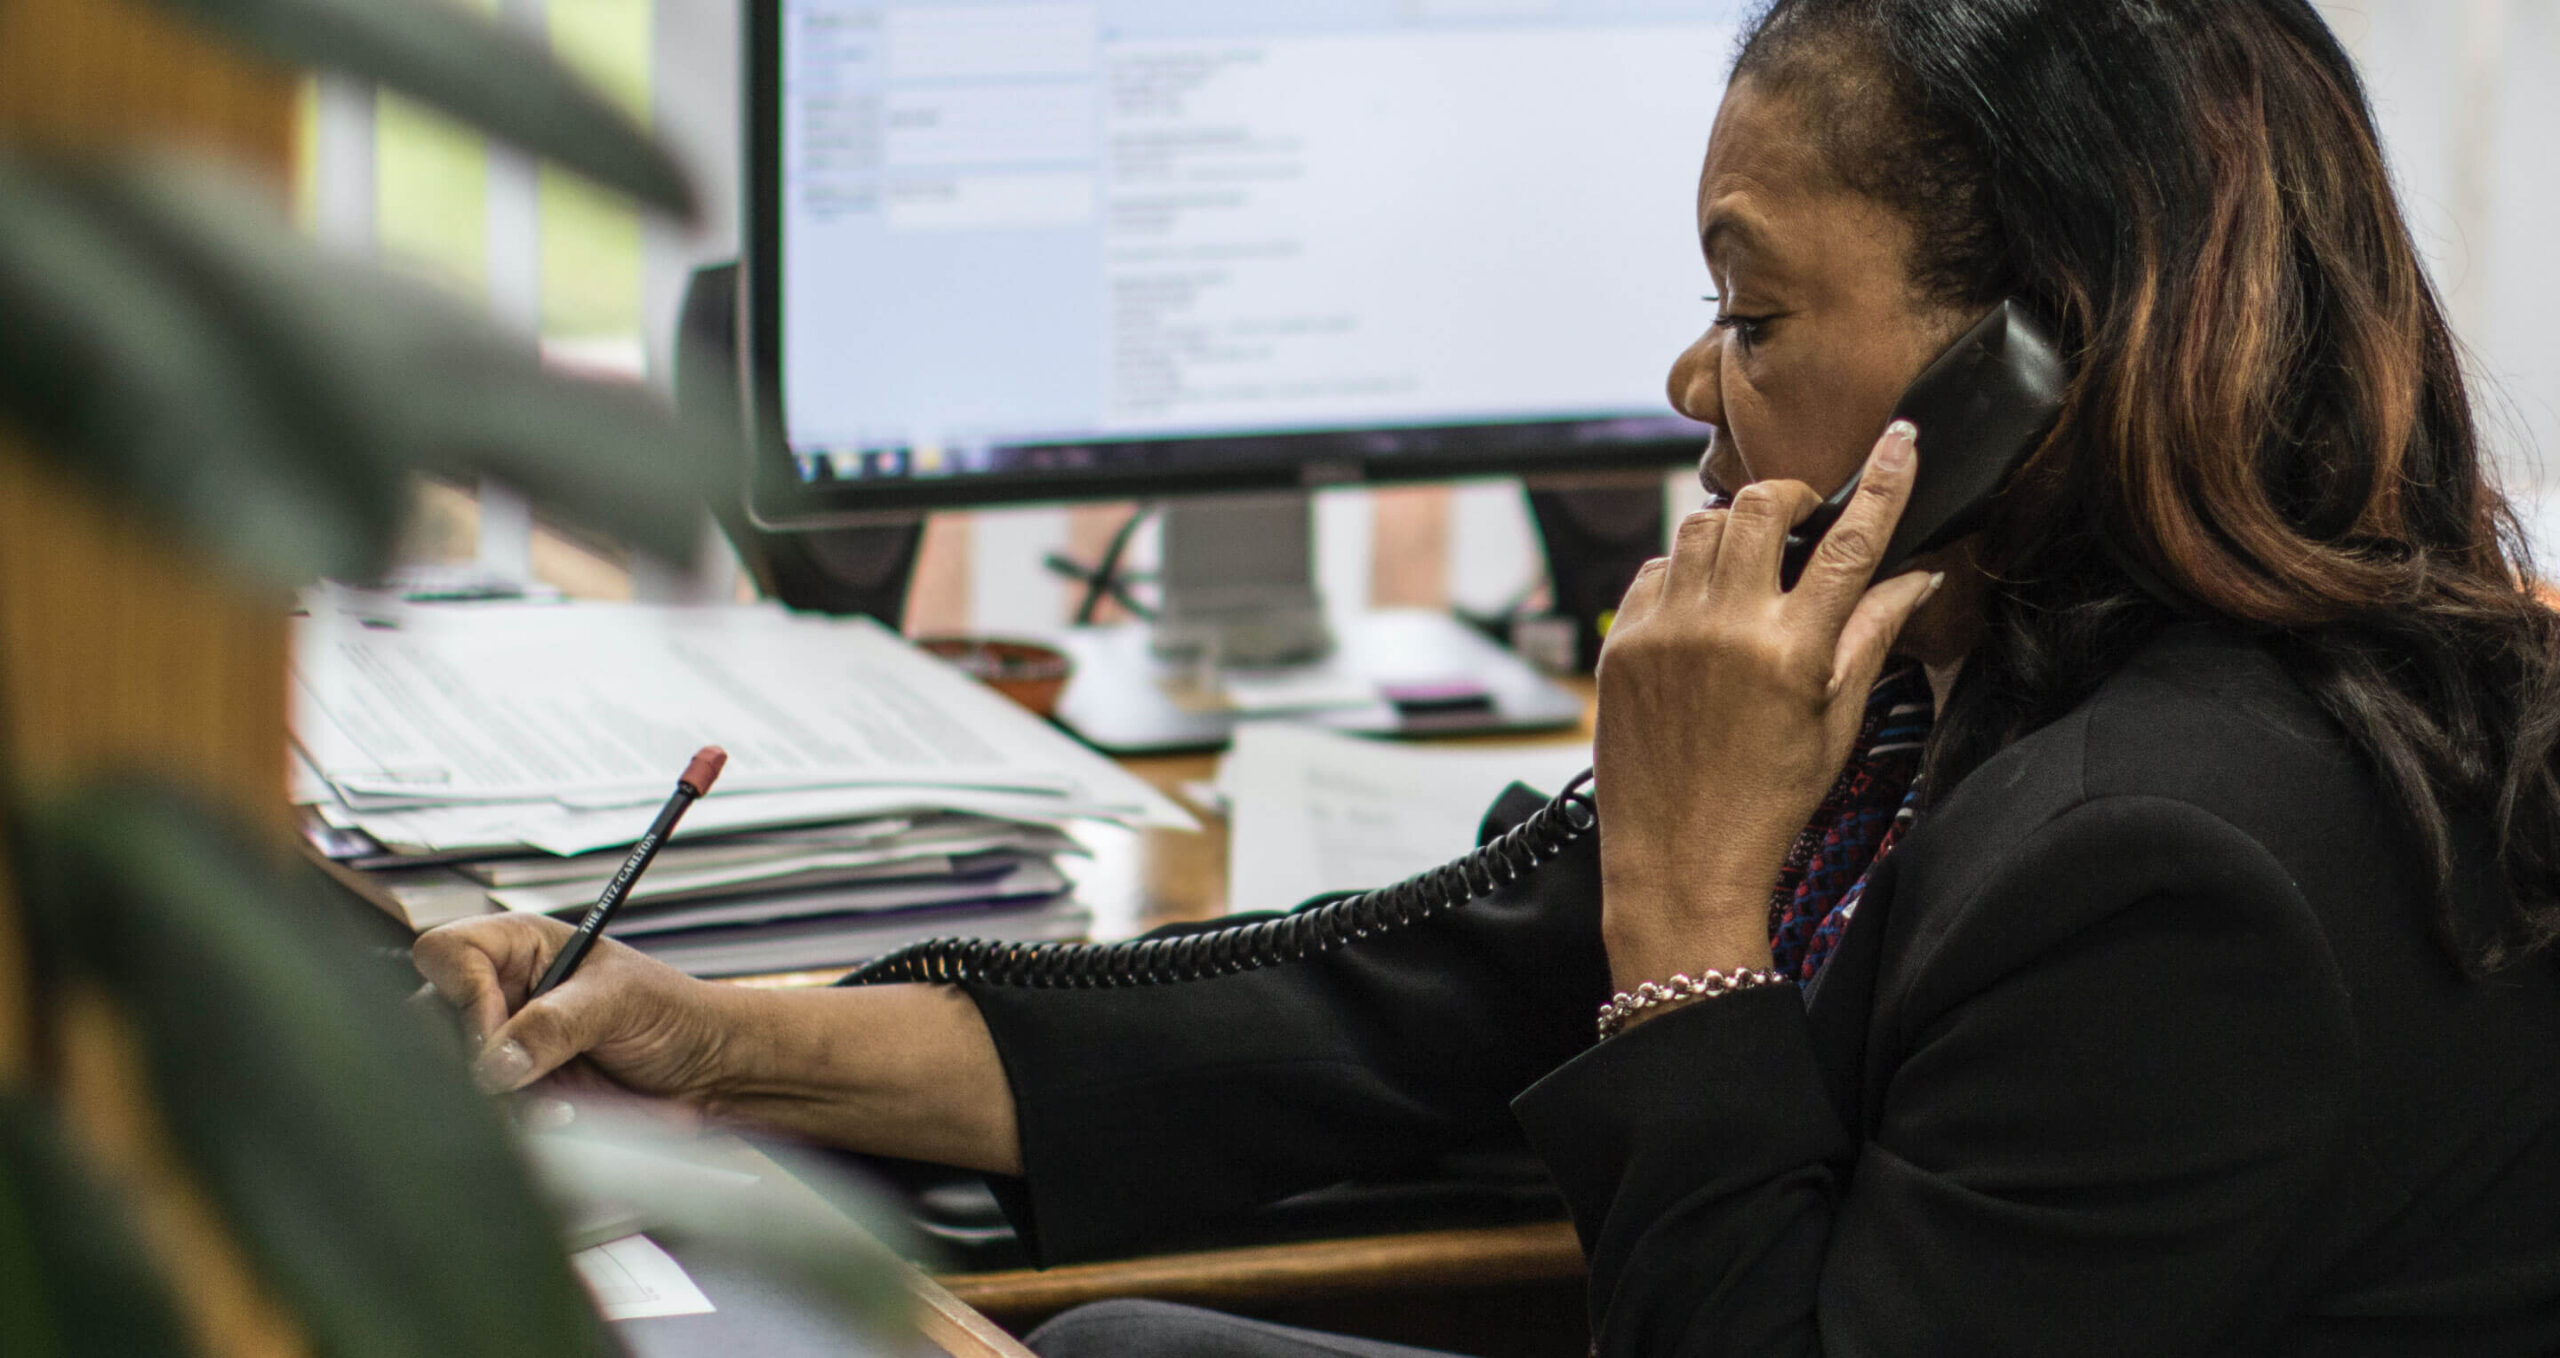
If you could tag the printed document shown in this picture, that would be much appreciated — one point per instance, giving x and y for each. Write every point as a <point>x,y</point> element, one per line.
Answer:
<point>1312,811</point>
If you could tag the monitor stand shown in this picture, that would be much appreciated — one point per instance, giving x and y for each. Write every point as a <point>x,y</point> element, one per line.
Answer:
<point>1243,636</point>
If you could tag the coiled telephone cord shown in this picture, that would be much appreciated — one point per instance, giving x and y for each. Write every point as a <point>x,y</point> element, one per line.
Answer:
<point>1300,934</point>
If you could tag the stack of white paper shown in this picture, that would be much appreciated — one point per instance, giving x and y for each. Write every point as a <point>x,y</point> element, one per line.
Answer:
<point>502,756</point>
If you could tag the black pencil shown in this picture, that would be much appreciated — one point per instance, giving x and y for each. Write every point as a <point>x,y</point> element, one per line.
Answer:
<point>697,780</point>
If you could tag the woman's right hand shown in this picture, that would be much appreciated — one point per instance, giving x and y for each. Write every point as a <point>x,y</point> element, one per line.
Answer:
<point>641,1023</point>
<point>903,1070</point>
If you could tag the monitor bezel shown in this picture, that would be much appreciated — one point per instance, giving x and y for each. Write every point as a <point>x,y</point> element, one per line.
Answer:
<point>778,497</point>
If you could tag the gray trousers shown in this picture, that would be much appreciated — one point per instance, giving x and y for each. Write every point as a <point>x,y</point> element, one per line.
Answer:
<point>1157,1329</point>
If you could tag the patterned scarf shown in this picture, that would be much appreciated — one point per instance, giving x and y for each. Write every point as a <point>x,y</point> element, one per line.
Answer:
<point>1858,823</point>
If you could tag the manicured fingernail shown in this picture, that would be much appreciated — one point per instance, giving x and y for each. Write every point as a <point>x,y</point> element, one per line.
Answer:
<point>1936,578</point>
<point>503,1066</point>
<point>1899,437</point>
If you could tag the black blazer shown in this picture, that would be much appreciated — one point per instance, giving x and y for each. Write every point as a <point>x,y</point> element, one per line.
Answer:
<point>2142,1042</point>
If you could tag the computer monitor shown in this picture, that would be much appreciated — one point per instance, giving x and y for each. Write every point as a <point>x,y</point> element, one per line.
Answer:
<point>1077,249</point>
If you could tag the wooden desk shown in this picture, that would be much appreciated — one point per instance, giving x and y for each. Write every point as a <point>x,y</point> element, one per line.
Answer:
<point>1489,1291</point>
<point>951,1325</point>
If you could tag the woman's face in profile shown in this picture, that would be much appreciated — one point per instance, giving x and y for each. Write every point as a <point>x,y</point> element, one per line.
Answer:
<point>1818,328</point>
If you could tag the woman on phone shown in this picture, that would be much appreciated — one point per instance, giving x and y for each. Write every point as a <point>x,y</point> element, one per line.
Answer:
<point>2131,929</point>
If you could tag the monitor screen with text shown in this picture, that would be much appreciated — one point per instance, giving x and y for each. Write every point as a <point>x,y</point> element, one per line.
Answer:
<point>1043,237</point>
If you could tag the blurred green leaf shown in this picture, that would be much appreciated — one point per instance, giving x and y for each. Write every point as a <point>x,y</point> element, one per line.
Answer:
<point>335,1129</point>
<point>179,342</point>
<point>104,358</point>
<point>467,65</point>
<point>73,1280</point>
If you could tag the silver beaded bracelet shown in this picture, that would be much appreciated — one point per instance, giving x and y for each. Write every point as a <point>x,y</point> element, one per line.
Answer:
<point>1626,1004</point>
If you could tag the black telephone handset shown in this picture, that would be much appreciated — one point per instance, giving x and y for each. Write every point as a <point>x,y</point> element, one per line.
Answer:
<point>1981,407</point>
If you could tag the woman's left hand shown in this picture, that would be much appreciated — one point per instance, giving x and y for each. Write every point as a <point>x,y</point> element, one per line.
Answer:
<point>1727,709</point>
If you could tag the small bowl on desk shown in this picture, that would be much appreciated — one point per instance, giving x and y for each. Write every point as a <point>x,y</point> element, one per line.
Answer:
<point>1026,671</point>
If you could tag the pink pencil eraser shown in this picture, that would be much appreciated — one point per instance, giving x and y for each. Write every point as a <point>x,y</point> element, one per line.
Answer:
<point>705,769</point>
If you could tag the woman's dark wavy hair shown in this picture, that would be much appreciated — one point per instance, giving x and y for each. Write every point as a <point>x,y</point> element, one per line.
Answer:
<point>2268,421</point>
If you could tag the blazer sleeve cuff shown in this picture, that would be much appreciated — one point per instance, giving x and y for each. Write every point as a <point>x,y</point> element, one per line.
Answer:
<point>1711,1098</point>
<point>1068,1178</point>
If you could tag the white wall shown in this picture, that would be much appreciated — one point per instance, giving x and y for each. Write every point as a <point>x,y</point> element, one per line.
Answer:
<point>694,107</point>
<point>2468,96</point>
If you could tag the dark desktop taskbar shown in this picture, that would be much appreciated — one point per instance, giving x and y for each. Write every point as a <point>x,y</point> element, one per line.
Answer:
<point>900,460</point>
